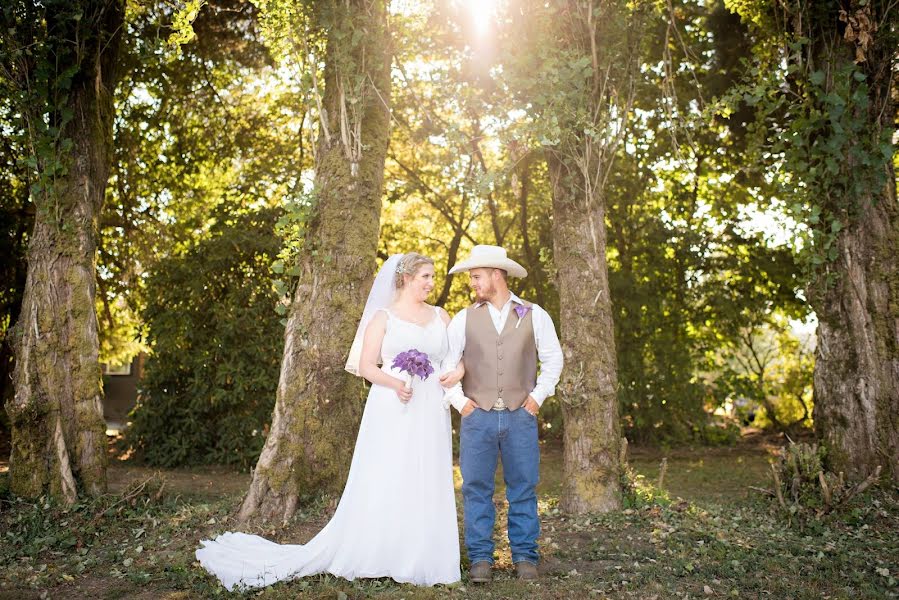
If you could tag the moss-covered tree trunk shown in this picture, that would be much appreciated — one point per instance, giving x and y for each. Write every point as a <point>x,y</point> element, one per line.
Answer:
<point>58,432</point>
<point>856,380</point>
<point>588,390</point>
<point>585,121</point>
<point>318,404</point>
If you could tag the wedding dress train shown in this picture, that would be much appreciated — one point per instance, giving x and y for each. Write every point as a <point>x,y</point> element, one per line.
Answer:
<point>397,515</point>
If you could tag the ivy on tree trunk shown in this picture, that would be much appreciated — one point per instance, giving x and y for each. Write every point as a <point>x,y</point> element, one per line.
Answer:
<point>59,60</point>
<point>855,292</point>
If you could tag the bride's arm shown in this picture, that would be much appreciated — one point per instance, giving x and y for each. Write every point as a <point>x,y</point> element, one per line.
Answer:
<point>368,360</point>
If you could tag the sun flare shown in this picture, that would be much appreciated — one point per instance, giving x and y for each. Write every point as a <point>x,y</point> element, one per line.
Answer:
<point>482,13</point>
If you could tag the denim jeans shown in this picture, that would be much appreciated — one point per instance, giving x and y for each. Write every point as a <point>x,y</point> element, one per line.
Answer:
<point>511,435</point>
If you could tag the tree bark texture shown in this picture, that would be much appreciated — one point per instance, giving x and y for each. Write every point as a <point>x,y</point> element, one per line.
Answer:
<point>856,378</point>
<point>318,404</point>
<point>588,390</point>
<point>58,431</point>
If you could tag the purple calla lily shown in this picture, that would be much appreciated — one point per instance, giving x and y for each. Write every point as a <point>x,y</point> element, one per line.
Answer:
<point>521,310</point>
<point>414,363</point>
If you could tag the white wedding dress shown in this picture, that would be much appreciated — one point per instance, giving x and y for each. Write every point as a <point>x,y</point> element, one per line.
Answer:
<point>397,515</point>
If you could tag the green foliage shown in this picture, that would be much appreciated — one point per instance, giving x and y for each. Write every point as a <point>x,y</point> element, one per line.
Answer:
<point>208,122</point>
<point>688,270</point>
<point>461,169</point>
<point>43,527</point>
<point>832,163</point>
<point>767,371</point>
<point>48,50</point>
<point>638,493</point>
<point>726,433</point>
<point>182,31</point>
<point>818,136</point>
<point>291,228</point>
<point>209,386</point>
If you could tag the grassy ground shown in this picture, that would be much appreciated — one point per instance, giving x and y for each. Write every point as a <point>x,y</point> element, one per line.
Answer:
<point>705,535</point>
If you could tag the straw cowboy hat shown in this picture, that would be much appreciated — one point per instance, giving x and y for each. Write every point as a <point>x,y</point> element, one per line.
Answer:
<point>490,257</point>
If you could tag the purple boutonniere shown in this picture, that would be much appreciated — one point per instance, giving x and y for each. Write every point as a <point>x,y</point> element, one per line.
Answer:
<point>413,362</point>
<point>521,310</point>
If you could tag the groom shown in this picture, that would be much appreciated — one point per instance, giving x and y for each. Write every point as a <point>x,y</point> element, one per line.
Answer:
<point>501,338</point>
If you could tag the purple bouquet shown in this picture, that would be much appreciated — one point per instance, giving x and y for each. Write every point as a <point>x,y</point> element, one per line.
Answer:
<point>413,362</point>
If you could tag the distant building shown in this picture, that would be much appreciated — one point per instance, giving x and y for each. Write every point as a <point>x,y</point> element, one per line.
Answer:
<point>120,392</point>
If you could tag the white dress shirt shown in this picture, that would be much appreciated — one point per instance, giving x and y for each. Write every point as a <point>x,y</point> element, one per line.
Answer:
<point>549,351</point>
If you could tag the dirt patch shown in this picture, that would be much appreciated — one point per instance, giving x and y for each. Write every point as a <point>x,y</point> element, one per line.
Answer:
<point>95,588</point>
<point>211,481</point>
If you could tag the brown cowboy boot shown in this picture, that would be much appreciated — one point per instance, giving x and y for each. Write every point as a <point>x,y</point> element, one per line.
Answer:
<point>481,572</point>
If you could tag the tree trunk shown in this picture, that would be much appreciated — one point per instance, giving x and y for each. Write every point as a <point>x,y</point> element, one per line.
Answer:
<point>318,404</point>
<point>588,128</point>
<point>856,377</point>
<point>58,431</point>
<point>856,380</point>
<point>588,390</point>
<point>452,255</point>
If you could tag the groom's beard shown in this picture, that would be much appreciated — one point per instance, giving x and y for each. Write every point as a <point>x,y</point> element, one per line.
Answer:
<point>485,294</point>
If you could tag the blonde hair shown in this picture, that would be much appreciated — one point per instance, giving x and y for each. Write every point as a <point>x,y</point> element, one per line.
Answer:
<point>409,265</point>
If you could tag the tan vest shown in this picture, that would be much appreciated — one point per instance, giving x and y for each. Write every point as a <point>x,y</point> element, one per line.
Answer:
<point>499,365</point>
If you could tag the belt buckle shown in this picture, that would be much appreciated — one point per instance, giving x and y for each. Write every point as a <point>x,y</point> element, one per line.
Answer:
<point>499,404</point>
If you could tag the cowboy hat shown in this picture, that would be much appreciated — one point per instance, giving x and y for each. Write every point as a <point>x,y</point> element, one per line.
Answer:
<point>483,256</point>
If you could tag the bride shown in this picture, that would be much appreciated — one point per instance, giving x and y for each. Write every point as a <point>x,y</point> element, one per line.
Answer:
<point>397,515</point>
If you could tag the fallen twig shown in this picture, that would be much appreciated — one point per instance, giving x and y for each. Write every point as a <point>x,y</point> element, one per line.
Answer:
<point>780,497</point>
<point>130,495</point>
<point>825,491</point>
<point>765,491</point>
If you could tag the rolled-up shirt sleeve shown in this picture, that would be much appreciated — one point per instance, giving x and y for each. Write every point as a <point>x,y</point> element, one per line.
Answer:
<point>455,396</point>
<point>549,353</point>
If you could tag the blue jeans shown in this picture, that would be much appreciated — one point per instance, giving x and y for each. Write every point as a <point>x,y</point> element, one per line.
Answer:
<point>512,435</point>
